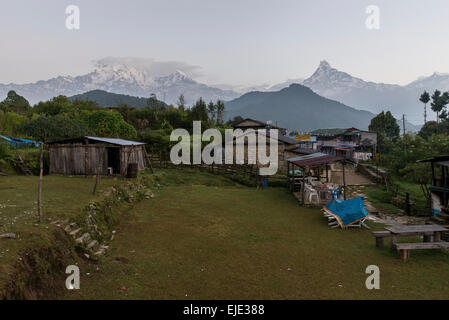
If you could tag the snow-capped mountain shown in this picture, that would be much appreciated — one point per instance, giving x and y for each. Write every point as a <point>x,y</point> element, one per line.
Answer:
<point>341,86</point>
<point>285,84</point>
<point>437,80</point>
<point>266,87</point>
<point>122,76</point>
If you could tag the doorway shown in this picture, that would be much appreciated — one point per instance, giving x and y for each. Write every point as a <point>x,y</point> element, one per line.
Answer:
<point>114,160</point>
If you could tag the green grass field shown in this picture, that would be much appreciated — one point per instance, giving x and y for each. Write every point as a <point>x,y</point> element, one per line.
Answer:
<point>379,196</point>
<point>63,197</point>
<point>203,237</point>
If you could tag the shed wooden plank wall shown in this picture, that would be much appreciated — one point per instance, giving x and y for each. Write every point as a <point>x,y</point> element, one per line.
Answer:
<point>78,159</point>
<point>132,154</point>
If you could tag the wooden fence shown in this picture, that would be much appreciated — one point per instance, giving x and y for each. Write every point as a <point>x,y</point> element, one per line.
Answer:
<point>401,199</point>
<point>250,172</point>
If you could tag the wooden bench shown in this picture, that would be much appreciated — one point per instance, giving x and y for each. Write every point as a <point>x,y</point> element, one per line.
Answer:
<point>404,248</point>
<point>380,235</point>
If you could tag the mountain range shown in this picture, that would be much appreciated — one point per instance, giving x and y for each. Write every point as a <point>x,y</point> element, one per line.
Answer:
<point>121,76</point>
<point>109,99</point>
<point>297,108</point>
<point>375,97</point>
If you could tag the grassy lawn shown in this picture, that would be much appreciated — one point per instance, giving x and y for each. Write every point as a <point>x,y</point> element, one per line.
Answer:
<point>63,197</point>
<point>203,237</point>
<point>379,196</point>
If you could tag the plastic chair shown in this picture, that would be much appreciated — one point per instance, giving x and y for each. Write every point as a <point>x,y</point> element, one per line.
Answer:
<point>311,194</point>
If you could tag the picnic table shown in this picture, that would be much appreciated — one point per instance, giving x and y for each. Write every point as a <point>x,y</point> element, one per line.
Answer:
<point>431,233</point>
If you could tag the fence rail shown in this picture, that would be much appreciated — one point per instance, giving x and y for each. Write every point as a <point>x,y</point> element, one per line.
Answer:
<point>243,170</point>
<point>401,199</point>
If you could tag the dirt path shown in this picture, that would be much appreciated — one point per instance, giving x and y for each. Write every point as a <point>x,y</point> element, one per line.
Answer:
<point>352,178</point>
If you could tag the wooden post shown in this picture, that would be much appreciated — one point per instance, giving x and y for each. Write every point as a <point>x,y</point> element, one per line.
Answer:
<point>99,167</point>
<point>437,237</point>
<point>148,158</point>
<point>443,183</point>
<point>327,173</point>
<point>303,185</point>
<point>344,180</point>
<point>404,255</point>
<point>86,161</point>
<point>394,240</point>
<point>407,203</point>
<point>41,176</point>
<point>433,174</point>
<point>379,242</point>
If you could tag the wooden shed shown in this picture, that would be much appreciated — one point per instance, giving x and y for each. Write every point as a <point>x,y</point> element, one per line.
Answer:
<point>87,155</point>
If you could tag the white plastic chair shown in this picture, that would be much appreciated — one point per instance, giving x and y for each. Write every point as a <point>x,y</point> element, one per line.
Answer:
<point>311,194</point>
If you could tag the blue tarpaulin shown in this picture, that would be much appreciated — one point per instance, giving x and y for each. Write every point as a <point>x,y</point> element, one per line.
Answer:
<point>347,212</point>
<point>16,142</point>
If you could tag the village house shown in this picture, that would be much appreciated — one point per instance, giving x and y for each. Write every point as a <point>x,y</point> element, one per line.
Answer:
<point>92,155</point>
<point>256,125</point>
<point>284,143</point>
<point>352,143</point>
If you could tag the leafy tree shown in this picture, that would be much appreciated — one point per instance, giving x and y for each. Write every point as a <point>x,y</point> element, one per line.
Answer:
<point>439,102</point>
<point>220,111</point>
<point>110,124</point>
<point>235,120</point>
<point>15,103</point>
<point>125,110</point>
<point>55,128</point>
<point>55,106</point>
<point>211,108</point>
<point>181,102</point>
<point>384,123</point>
<point>425,98</point>
<point>10,123</point>
<point>199,111</point>
<point>428,129</point>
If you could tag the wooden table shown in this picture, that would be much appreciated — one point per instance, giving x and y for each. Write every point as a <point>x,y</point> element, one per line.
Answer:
<point>427,230</point>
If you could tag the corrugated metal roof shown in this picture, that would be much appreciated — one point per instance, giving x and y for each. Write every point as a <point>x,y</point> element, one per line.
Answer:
<point>115,141</point>
<point>315,159</point>
<point>281,137</point>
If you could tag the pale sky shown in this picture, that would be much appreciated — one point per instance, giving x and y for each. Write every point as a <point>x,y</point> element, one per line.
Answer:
<point>246,42</point>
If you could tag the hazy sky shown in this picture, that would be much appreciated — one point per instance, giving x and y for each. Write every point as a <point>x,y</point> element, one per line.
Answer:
<point>232,41</point>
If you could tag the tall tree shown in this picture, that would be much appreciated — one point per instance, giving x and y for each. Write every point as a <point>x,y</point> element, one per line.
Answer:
<point>425,98</point>
<point>211,108</point>
<point>439,102</point>
<point>15,103</point>
<point>220,111</point>
<point>384,123</point>
<point>181,102</point>
<point>199,111</point>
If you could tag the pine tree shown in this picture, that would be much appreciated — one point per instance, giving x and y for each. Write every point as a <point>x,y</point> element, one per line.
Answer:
<point>425,98</point>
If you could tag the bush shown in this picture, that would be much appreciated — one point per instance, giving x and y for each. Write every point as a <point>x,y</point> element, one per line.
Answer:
<point>31,157</point>
<point>6,157</point>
